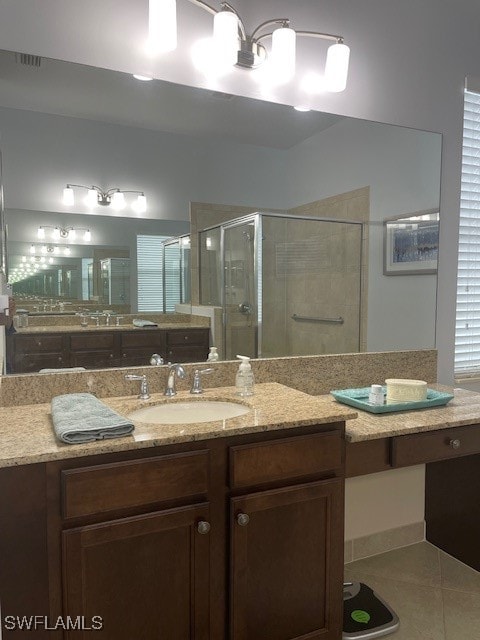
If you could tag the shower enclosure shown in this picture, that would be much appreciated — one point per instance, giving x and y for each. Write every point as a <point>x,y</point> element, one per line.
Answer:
<point>287,285</point>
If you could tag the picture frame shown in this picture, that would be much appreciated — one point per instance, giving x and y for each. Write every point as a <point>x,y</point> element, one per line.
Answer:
<point>410,244</point>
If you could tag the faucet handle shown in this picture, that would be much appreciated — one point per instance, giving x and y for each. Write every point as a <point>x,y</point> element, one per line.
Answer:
<point>197,383</point>
<point>144,393</point>
<point>156,360</point>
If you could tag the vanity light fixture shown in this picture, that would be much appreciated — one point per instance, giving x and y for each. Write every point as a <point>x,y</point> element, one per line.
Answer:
<point>63,233</point>
<point>231,45</point>
<point>97,196</point>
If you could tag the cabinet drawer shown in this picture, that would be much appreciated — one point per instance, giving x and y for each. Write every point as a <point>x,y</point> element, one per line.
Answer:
<point>421,448</point>
<point>122,485</point>
<point>93,341</point>
<point>39,344</point>
<point>188,336</point>
<point>152,338</point>
<point>187,354</point>
<point>294,457</point>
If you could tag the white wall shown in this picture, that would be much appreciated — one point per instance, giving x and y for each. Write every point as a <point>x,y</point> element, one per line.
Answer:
<point>42,153</point>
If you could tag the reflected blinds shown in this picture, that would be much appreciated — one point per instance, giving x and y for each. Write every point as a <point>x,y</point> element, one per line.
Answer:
<point>150,272</point>
<point>467,331</point>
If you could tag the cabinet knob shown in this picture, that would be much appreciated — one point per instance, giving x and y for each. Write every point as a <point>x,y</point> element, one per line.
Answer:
<point>243,519</point>
<point>455,444</point>
<point>203,527</point>
<point>111,355</point>
<point>59,358</point>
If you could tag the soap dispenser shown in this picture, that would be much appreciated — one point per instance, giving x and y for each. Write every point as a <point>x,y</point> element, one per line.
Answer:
<point>213,355</point>
<point>244,380</point>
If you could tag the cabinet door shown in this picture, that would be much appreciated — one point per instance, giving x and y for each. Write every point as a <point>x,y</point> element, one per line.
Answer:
<point>145,576</point>
<point>287,563</point>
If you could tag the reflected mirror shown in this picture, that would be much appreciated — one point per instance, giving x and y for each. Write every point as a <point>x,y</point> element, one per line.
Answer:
<point>284,210</point>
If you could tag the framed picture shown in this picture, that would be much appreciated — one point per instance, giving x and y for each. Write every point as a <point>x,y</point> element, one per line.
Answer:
<point>411,244</point>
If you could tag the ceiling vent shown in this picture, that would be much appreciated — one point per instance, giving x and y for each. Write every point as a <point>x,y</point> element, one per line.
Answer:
<point>28,60</point>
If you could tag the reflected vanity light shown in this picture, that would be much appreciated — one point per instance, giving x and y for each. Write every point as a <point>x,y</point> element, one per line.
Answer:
<point>97,196</point>
<point>231,45</point>
<point>63,233</point>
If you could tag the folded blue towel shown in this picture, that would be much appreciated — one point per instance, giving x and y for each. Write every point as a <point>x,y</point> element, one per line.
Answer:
<point>81,417</point>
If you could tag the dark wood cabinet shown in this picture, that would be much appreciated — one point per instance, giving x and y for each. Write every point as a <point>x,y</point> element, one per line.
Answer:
<point>101,349</point>
<point>187,345</point>
<point>286,563</point>
<point>193,541</point>
<point>155,566</point>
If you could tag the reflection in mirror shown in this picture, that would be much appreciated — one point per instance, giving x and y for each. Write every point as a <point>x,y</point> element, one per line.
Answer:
<point>204,159</point>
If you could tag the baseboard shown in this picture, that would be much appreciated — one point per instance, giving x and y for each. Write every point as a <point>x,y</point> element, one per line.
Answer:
<point>383,541</point>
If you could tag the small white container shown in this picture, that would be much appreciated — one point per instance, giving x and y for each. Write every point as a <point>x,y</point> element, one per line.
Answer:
<point>404,390</point>
<point>376,395</point>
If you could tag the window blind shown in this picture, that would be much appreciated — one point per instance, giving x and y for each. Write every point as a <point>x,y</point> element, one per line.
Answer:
<point>150,272</point>
<point>467,331</point>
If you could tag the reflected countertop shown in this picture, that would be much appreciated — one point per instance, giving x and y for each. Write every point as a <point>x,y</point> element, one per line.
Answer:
<point>93,327</point>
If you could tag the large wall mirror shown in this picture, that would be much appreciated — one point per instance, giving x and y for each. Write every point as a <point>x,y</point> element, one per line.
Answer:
<point>285,209</point>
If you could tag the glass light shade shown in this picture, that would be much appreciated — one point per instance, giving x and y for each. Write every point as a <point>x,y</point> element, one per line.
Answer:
<point>56,251</point>
<point>118,201</point>
<point>56,233</point>
<point>225,37</point>
<point>142,77</point>
<point>91,198</point>
<point>68,197</point>
<point>162,26</point>
<point>336,67</point>
<point>43,249</point>
<point>140,204</point>
<point>32,259</point>
<point>87,236</point>
<point>44,266</point>
<point>283,54</point>
<point>206,59</point>
<point>32,248</point>
<point>50,260</point>
<point>41,233</point>
<point>67,251</point>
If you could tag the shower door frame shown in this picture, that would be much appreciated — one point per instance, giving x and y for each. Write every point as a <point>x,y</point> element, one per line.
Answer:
<point>257,266</point>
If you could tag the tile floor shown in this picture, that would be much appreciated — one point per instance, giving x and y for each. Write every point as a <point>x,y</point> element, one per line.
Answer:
<point>435,596</point>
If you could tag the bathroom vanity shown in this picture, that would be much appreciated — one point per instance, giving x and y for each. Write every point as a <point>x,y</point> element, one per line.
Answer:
<point>207,531</point>
<point>35,348</point>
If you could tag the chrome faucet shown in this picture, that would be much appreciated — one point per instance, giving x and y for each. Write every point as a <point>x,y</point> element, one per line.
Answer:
<point>144,393</point>
<point>197,380</point>
<point>174,371</point>
<point>156,360</point>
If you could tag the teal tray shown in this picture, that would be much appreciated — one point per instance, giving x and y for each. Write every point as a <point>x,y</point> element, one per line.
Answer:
<point>359,398</point>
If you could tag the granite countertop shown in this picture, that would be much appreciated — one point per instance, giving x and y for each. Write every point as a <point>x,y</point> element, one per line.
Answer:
<point>464,409</point>
<point>92,327</point>
<point>27,436</point>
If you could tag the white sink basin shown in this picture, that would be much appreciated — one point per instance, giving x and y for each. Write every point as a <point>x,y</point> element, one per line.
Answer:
<point>189,412</point>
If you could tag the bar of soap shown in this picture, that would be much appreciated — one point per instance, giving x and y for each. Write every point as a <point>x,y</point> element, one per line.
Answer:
<point>404,390</point>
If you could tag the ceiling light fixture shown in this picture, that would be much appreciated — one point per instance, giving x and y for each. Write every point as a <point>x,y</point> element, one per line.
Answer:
<point>97,196</point>
<point>231,45</point>
<point>63,233</point>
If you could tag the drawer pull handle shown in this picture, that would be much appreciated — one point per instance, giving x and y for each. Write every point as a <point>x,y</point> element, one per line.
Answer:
<point>455,444</point>
<point>243,519</point>
<point>203,527</point>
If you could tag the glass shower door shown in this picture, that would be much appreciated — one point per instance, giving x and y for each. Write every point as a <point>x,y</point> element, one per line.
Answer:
<point>240,288</point>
